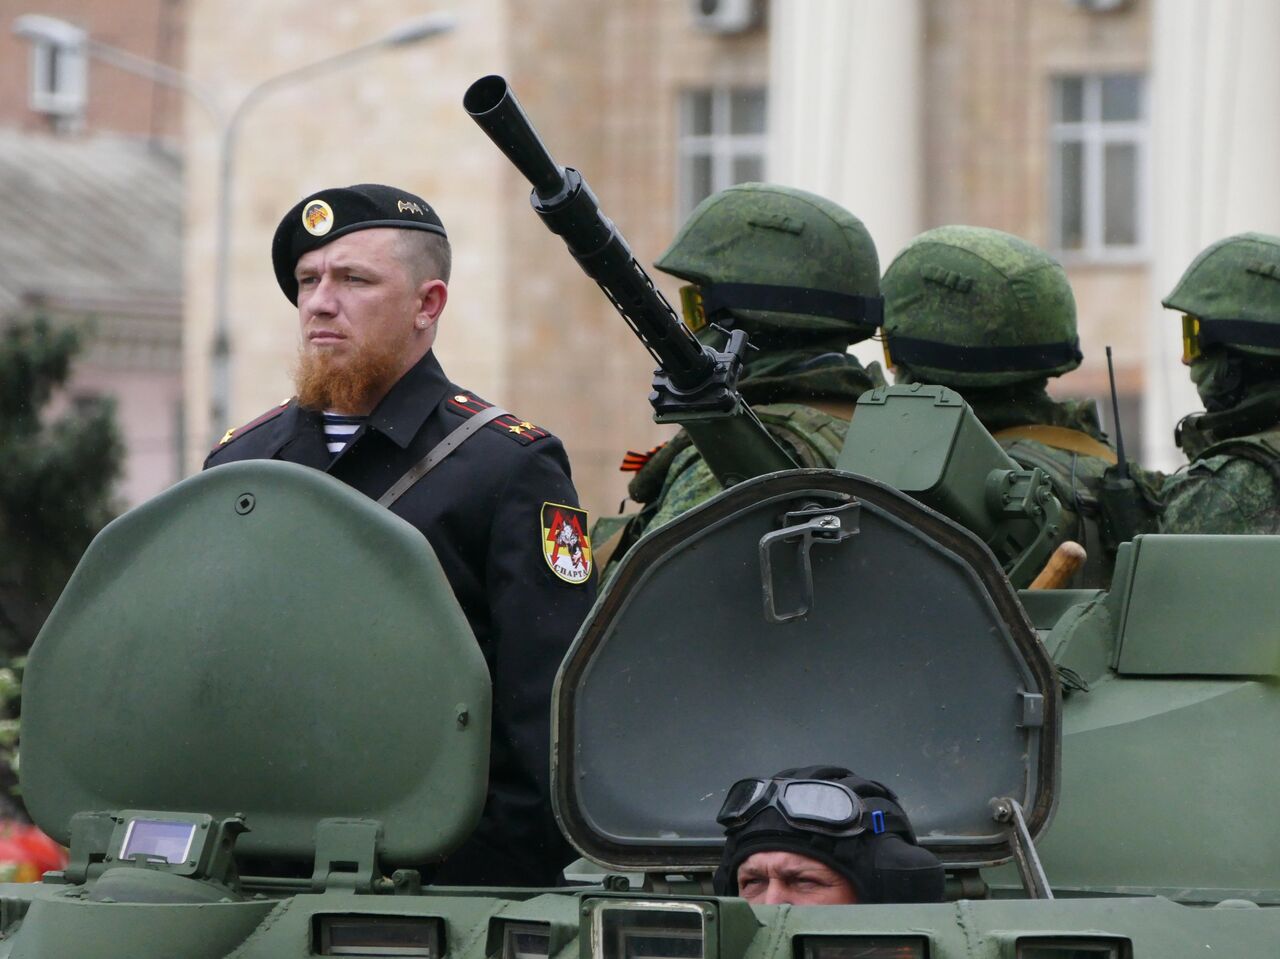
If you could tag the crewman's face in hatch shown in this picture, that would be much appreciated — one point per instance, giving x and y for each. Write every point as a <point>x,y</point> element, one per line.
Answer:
<point>773,878</point>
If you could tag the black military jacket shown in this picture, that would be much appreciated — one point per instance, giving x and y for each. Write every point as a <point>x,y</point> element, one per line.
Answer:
<point>481,509</point>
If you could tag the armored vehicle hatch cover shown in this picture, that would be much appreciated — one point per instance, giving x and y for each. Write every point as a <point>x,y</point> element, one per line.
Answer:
<point>803,617</point>
<point>261,640</point>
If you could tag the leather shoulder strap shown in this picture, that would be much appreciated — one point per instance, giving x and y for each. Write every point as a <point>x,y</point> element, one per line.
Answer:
<point>457,436</point>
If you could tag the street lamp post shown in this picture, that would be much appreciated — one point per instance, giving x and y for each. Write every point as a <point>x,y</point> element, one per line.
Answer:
<point>37,28</point>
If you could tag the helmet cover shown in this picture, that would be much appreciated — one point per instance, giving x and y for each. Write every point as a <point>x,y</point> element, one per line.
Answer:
<point>775,258</point>
<point>1233,289</point>
<point>972,306</point>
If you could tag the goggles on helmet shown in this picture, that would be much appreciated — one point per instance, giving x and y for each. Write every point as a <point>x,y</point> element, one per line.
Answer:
<point>816,805</point>
<point>1190,337</point>
<point>695,317</point>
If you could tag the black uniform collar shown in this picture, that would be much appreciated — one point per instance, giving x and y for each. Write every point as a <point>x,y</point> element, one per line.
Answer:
<point>410,401</point>
<point>303,439</point>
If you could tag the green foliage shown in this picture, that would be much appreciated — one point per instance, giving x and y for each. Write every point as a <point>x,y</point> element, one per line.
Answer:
<point>56,477</point>
<point>10,696</point>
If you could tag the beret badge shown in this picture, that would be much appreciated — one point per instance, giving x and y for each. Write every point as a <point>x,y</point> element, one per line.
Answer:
<point>317,217</point>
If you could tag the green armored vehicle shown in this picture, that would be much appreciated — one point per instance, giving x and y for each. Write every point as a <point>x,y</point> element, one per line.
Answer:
<point>247,763</point>
<point>204,733</point>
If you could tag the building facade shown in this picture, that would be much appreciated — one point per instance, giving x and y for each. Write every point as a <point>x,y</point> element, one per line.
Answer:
<point>91,222</point>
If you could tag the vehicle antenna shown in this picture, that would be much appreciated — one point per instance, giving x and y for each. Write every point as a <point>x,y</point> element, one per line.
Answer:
<point>1122,464</point>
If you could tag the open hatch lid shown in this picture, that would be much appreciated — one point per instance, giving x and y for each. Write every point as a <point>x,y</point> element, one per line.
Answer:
<point>261,640</point>
<point>915,666</point>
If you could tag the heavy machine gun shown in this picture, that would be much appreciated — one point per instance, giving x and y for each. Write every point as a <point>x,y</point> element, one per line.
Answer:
<point>934,450</point>
<point>694,385</point>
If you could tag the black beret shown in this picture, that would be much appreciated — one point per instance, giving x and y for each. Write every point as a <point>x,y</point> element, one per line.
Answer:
<point>323,217</point>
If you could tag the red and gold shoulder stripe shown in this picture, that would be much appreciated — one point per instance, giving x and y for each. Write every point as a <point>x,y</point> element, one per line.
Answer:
<point>239,431</point>
<point>522,431</point>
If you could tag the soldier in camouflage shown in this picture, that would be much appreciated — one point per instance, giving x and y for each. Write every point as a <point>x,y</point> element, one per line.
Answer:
<point>1230,301</point>
<point>801,276</point>
<point>992,317</point>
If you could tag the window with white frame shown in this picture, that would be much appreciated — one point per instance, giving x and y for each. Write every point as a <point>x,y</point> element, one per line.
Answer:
<point>1098,166</point>
<point>722,142</point>
<point>58,78</point>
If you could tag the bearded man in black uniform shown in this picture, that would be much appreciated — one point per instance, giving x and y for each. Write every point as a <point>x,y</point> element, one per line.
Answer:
<point>368,267</point>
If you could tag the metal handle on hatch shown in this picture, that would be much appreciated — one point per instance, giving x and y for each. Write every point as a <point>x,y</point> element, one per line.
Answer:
<point>822,526</point>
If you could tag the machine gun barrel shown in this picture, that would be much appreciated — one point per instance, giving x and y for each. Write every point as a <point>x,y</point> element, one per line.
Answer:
<point>490,102</point>
<point>694,384</point>
<point>569,208</point>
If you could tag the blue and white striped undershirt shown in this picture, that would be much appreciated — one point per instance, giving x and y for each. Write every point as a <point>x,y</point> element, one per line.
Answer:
<point>338,430</point>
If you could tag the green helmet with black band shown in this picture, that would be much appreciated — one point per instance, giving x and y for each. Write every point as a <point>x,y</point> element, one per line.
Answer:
<point>972,306</point>
<point>781,263</point>
<point>1230,296</point>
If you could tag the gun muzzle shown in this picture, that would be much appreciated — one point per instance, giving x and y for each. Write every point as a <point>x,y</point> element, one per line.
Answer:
<point>493,106</point>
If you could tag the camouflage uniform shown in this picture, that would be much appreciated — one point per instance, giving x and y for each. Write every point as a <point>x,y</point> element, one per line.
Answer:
<point>677,479</point>
<point>992,317</point>
<point>1230,298</point>
<point>800,275</point>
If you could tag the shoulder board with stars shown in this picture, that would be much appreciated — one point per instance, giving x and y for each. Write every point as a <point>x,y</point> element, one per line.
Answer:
<point>522,431</point>
<point>239,431</point>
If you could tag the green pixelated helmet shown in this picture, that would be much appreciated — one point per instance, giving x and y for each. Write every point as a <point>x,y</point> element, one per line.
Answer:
<point>769,258</point>
<point>971,306</point>
<point>1230,295</point>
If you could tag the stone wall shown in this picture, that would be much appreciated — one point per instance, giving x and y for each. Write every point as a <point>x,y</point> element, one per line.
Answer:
<point>990,65</point>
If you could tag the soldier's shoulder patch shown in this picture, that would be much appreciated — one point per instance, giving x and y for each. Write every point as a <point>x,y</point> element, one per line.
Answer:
<point>238,431</point>
<point>566,546</point>
<point>508,424</point>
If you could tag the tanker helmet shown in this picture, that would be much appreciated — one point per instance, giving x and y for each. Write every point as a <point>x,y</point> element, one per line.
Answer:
<point>1230,296</point>
<point>773,259</point>
<point>971,306</point>
<point>881,858</point>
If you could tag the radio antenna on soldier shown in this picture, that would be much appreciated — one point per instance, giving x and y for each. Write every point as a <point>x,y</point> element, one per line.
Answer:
<point>1122,465</point>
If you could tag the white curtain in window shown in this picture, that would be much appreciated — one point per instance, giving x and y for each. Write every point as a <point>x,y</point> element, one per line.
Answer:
<point>844,108</point>
<point>1215,133</point>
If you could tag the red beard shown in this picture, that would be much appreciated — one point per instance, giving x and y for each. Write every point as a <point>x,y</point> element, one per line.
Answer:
<point>345,384</point>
